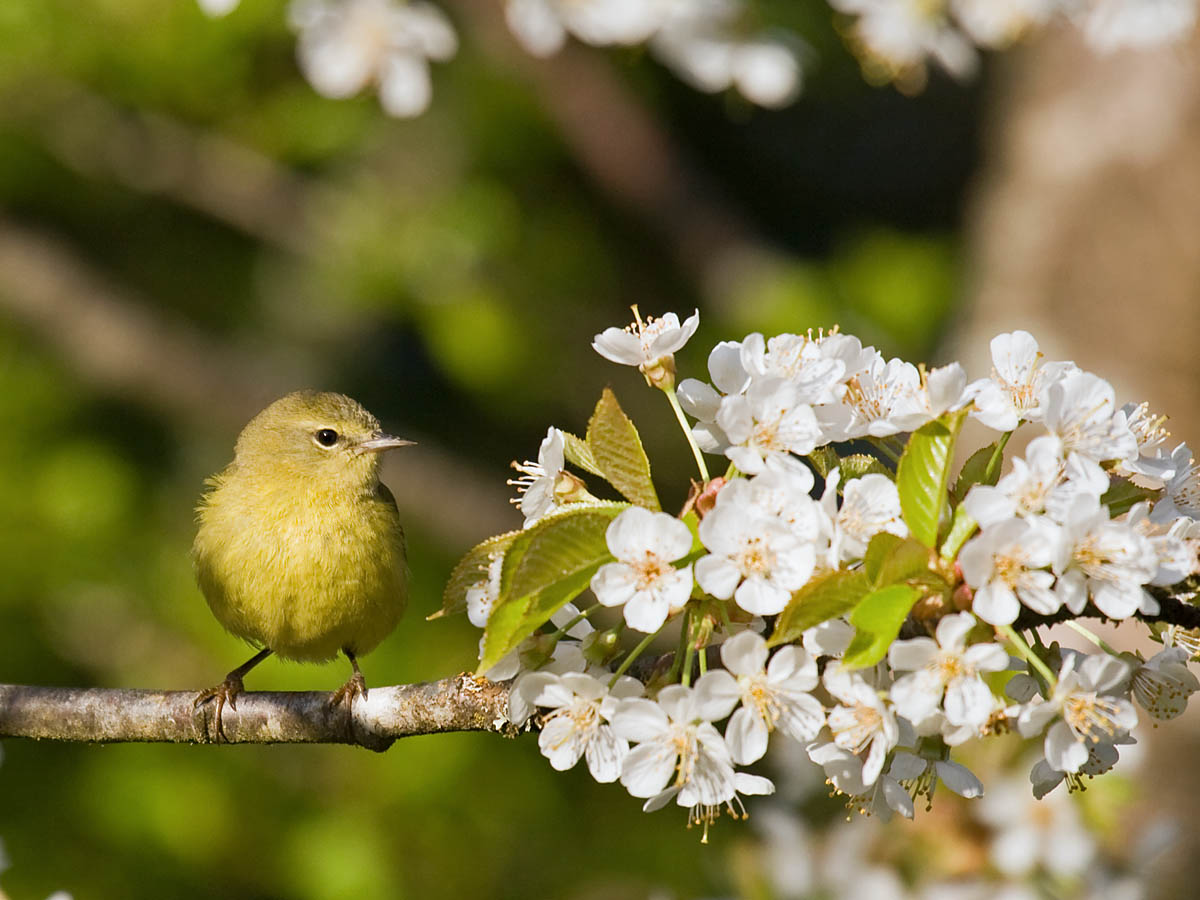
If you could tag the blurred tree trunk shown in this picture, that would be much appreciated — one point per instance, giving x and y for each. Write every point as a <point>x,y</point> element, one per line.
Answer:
<point>1084,228</point>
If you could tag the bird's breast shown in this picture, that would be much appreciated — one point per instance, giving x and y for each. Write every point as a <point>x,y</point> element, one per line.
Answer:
<point>307,572</point>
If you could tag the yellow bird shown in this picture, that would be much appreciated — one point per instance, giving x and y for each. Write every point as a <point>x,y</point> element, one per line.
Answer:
<point>300,550</point>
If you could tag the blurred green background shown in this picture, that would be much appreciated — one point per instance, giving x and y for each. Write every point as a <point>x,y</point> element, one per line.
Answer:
<point>187,231</point>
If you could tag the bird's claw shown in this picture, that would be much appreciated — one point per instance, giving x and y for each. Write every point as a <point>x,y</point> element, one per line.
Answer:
<point>355,687</point>
<point>225,692</point>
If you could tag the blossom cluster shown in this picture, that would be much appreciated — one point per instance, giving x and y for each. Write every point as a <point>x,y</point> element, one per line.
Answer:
<point>895,39</point>
<point>346,46</point>
<point>813,591</point>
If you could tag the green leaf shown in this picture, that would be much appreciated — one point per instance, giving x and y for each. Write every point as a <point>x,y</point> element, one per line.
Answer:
<point>975,471</point>
<point>469,571</point>
<point>892,560</point>
<point>924,474</point>
<point>961,528</point>
<point>545,567</point>
<point>618,454</point>
<point>824,460</point>
<point>821,599</point>
<point>579,453</point>
<point>857,465</point>
<point>1123,494</point>
<point>878,619</point>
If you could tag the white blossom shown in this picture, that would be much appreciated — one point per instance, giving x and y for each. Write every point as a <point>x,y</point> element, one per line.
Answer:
<point>542,25</point>
<point>481,596</point>
<point>946,390</point>
<point>567,656</point>
<point>1087,710</point>
<point>830,638</point>
<point>1162,684</point>
<point>881,399</point>
<point>771,695</point>
<point>680,754</point>
<point>946,670</point>
<point>1046,480</point>
<point>578,724</point>
<point>1106,561</point>
<point>536,488</point>
<point>802,359</point>
<point>1113,24</point>
<point>1154,463</point>
<point>753,557</point>
<point>768,419</point>
<point>643,579</point>
<point>1102,756</point>
<point>1182,492</point>
<point>217,8</point>
<point>703,401</point>
<point>781,492</point>
<point>919,776</point>
<point>870,505</point>
<point>881,796</point>
<point>699,41</point>
<point>1016,390</point>
<point>646,344</point>
<point>347,44</point>
<point>1031,834</point>
<point>1080,409</point>
<point>1006,565</point>
<point>900,35</point>
<point>861,722</point>
<point>996,25</point>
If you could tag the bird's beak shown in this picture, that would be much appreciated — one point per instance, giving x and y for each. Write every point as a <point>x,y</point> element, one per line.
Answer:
<point>377,443</point>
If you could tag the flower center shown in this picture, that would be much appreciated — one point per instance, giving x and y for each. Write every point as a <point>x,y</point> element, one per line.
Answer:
<point>858,733</point>
<point>950,666</point>
<point>649,569</point>
<point>758,694</point>
<point>756,557</point>
<point>1091,717</point>
<point>584,716</point>
<point>1149,430</point>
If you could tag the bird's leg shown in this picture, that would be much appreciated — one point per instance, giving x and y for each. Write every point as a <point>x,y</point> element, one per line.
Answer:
<point>227,690</point>
<point>356,686</point>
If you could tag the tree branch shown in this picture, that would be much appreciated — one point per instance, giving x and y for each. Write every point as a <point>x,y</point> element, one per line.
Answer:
<point>105,715</point>
<point>1173,610</point>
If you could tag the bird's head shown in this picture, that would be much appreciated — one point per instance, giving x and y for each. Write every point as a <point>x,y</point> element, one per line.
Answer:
<point>315,434</point>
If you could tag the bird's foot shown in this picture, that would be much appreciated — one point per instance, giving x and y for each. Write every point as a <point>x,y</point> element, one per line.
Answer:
<point>355,687</point>
<point>225,692</point>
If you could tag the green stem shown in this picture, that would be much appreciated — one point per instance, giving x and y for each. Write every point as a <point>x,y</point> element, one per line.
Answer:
<point>677,663</point>
<point>997,455</point>
<point>686,678</point>
<point>687,431</point>
<point>561,632</point>
<point>1030,657</point>
<point>632,655</point>
<point>886,450</point>
<point>725,617</point>
<point>1091,636</point>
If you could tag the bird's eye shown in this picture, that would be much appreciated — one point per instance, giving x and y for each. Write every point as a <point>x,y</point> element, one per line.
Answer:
<point>327,437</point>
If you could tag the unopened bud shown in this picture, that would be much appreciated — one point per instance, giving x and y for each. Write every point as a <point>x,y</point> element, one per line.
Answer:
<point>707,498</point>
<point>600,647</point>
<point>963,597</point>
